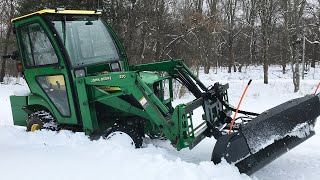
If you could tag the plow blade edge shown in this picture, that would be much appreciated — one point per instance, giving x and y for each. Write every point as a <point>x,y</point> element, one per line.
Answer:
<point>269,135</point>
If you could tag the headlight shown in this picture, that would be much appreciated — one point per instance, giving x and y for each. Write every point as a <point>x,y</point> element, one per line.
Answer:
<point>115,67</point>
<point>80,73</point>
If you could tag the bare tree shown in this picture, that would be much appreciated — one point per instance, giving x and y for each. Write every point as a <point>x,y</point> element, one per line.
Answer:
<point>8,7</point>
<point>292,12</point>
<point>250,9</point>
<point>313,8</point>
<point>230,7</point>
<point>266,11</point>
<point>214,44</point>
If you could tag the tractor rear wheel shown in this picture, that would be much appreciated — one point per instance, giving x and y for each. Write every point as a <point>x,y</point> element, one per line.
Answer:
<point>124,132</point>
<point>41,120</point>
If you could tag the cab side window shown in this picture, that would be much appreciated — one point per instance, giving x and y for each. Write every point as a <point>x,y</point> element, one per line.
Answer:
<point>38,49</point>
<point>55,88</point>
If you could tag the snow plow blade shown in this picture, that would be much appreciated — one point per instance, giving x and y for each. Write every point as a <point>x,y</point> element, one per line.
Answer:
<point>269,135</point>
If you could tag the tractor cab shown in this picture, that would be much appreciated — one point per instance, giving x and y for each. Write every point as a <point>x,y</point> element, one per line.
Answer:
<point>87,41</point>
<point>84,39</point>
<point>57,46</point>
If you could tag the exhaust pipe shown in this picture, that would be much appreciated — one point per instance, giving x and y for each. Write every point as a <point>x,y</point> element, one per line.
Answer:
<point>269,135</point>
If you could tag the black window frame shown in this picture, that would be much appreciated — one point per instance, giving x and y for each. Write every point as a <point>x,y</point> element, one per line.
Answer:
<point>64,77</point>
<point>19,29</point>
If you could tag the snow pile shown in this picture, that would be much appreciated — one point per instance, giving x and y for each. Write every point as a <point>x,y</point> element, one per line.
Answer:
<point>67,155</point>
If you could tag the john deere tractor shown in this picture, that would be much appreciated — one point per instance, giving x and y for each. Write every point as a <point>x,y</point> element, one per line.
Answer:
<point>80,80</point>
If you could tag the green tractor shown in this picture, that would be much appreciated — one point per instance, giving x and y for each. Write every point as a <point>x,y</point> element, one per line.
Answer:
<point>80,80</point>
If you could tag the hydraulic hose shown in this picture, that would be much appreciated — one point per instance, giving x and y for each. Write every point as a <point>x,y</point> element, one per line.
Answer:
<point>235,114</point>
<point>228,106</point>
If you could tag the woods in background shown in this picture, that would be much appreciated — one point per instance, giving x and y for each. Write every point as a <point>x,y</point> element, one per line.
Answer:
<point>205,33</point>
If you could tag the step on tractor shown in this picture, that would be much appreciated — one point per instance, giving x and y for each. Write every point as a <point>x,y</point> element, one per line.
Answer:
<point>80,80</point>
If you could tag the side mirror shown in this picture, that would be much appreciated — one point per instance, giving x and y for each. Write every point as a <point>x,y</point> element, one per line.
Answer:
<point>13,56</point>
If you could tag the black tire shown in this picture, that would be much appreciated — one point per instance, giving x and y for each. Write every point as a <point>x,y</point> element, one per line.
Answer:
<point>43,120</point>
<point>129,130</point>
<point>158,136</point>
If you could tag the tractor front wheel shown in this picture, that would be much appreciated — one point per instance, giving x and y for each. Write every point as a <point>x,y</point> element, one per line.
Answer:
<point>125,134</point>
<point>41,120</point>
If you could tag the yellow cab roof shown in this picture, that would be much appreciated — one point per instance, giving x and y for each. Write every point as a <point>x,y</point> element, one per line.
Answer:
<point>53,11</point>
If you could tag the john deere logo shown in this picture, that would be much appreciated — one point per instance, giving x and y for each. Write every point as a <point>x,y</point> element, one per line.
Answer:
<point>107,78</point>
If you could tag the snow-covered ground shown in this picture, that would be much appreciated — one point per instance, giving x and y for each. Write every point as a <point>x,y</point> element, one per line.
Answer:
<point>66,155</point>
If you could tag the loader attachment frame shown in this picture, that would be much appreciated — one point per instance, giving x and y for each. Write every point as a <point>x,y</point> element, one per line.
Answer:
<point>175,123</point>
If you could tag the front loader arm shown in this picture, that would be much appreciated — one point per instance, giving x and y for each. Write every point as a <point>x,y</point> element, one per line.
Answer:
<point>215,100</point>
<point>176,124</point>
<point>176,69</point>
<point>129,84</point>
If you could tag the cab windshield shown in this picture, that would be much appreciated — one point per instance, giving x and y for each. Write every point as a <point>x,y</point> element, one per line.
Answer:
<point>86,39</point>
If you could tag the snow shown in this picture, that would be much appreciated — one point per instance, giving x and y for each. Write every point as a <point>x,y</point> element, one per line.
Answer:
<point>67,155</point>
<point>263,143</point>
<point>301,131</point>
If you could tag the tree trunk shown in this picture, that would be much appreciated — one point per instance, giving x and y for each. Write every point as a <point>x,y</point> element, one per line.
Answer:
<point>159,25</point>
<point>129,37</point>
<point>7,42</point>
<point>142,45</point>
<point>231,55</point>
<point>252,18</point>
<point>265,72</point>
<point>284,68</point>
<point>313,62</point>
<point>265,57</point>
<point>198,70</point>
<point>296,78</point>
<point>229,67</point>
<point>5,52</point>
<point>206,67</point>
<point>296,70</point>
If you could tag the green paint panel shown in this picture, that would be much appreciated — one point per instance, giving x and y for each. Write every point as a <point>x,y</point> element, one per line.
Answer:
<point>149,78</point>
<point>18,114</point>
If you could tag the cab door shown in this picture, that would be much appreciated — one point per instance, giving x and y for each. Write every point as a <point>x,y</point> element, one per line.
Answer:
<point>45,68</point>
